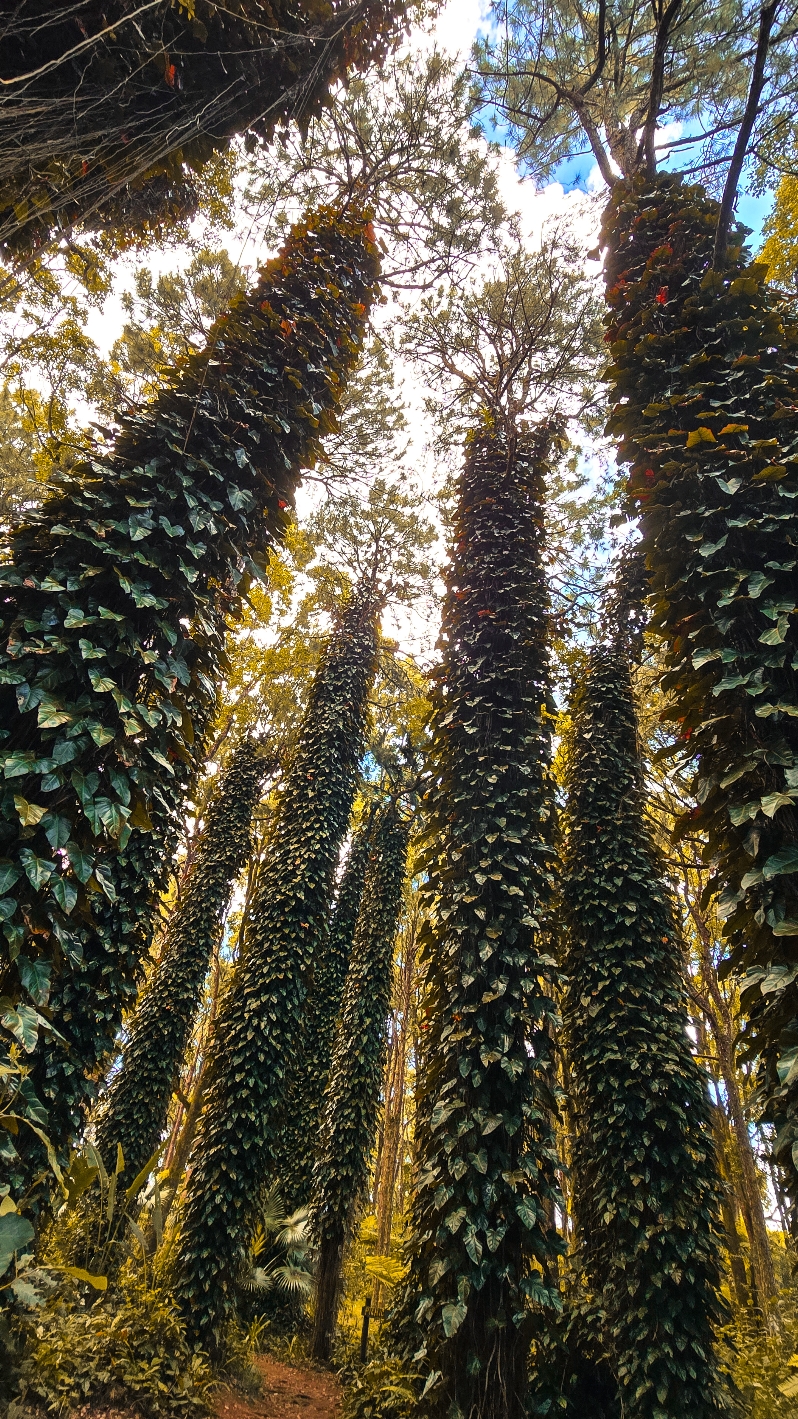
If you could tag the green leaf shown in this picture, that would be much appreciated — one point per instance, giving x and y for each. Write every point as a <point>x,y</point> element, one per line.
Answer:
<point>35,976</point>
<point>15,1234</point>
<point>101,684</point>
<point>771,803</point>
<point>50,716</point>
<point>24,1023</point>
<point>786,860</point>
<point>19,763</point>
<point>81,862</point>
<point>38,870</point>
<point>65,893</point>
<point>56,830</point>
<point>9,874</point>
<point>452,1317</point>
<point>456,1219</point>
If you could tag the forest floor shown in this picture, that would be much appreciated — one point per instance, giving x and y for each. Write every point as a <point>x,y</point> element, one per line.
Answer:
<point>288,1393</point>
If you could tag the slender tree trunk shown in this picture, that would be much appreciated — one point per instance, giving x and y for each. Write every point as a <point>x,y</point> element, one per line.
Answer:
<point>761,1257</point>
<point>352,1097</point>
<point>721,1026</point>
<point>729,1209</point>
<point>385,1188</point>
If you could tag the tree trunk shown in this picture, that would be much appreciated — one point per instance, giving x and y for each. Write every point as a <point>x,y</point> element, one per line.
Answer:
<point>720,1125</point>
<point>385,1184</point>
<point>328,1290</point>
<point>754,1212</point>
<point>721,1025</point>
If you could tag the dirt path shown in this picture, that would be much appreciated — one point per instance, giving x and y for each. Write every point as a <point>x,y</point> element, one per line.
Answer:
<point>287,1394</point>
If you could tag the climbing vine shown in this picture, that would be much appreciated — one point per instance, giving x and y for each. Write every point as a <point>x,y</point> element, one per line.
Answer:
<point>645,1190</point>
<point>352,1097</point>
<point>134,1111</point>
<point>704,378</point>
<point>107,116</point>
<point>114,603</point>
<point>310,1065</point>
<point>483,1247</point>
<point>238,1131</point>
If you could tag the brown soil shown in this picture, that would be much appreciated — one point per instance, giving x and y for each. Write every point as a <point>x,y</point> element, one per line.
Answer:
<point>287,1394</point>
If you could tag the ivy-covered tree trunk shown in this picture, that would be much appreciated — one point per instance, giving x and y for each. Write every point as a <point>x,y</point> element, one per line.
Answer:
<point>646,1192</point>
<point>134,1111</point>
<point>256,1033</point>
<point>483,1250</point>
<point>704,378</point>
<point>309,1067</point>
<point>107,113</point>
<point>352,1098</point>
<point>113,605</point>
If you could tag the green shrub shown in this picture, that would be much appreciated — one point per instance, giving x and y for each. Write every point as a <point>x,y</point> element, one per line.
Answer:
<point>379,1390</point>
<point>127,1348</point>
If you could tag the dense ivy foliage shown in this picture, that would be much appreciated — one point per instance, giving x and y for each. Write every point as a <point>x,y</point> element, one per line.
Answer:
<point>107,115</point>
<point>114,603</point>
<point>134,1111</point>
<point>352,1097</point>
<point>309,1066</point>
<point>644,1183</point>
<point>704,378</point>
<point>233,1154</point>
<point>483,1247</point>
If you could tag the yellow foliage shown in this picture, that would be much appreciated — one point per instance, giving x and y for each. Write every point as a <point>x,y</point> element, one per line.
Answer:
<point>780,250</point>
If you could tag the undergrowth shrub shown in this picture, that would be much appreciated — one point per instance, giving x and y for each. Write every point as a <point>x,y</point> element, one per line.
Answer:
<point>128,1347</point>
<point>382,1389</point>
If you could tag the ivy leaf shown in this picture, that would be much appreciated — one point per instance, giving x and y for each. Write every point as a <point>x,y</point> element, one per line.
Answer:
<point>81,862</point>
<point>29,813</point>
<point>784,861</point>
<point>452,1317</point>
<point>56,830</point>
<point>101,684</point>
<point>9,874</point>
<point>771,803</point>
<point>15,1234</point>
<point>38,870</point>
<point>65,893</point>
<point>35,976</point>
<point>23,1022</point>
<point>50,716</point>
<point>19,763</point>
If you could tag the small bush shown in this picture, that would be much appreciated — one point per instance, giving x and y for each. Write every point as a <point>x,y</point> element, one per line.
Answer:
<point>763,1363</point>
<point>128,1348</point>
<point>379,1390</point>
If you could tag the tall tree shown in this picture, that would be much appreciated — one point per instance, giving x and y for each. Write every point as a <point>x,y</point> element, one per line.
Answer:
<point>704,393</point>
<point>107,111</point>
<point>693,328</point>
<point>298,1142</point>
<point>133,1113</point>
<point>603,81</point>
<point>234,1151</point>
<point>403,136</point>
<point>483,1249</point>
<point>115,598</point>
<point>646,1194</point>
<point>352,1097</point>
